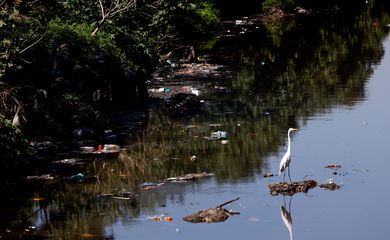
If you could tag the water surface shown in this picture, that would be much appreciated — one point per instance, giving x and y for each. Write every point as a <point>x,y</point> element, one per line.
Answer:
<point>332,84</point>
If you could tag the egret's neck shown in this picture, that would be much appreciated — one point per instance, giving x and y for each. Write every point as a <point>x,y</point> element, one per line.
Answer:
<point>289,143</point>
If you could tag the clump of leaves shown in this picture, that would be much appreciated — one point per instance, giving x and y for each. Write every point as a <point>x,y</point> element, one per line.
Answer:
<point>198,17</point>
<point>79,34</point>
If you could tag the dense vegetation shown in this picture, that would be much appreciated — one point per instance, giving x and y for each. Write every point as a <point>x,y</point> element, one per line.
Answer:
<point>52,54</point>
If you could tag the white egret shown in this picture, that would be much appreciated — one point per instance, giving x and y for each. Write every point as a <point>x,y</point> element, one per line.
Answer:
<point>285,162</point>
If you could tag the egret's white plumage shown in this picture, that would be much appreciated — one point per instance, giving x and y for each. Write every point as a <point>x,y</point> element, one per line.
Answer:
<point>285,162</point>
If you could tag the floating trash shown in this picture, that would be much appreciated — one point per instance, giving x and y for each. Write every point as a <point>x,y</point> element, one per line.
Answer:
<point>111,147</point>
<point>38,199</point>
<point>267,174</point>
<point>87,149</point>
<point>78,178</point>
<point>333,166</point>
<point>150,185</point>
<point>84,132</point>
<point>88,235</point>
<point>224,142</point>
<point>41,177</point>
<point>195,91</point>
<point>42,144</point>
<point>157,218</point>
<point>188,177</point>
<point>217,135</point>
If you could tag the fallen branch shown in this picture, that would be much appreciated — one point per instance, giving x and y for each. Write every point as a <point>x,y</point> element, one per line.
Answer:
<point>228,202</point>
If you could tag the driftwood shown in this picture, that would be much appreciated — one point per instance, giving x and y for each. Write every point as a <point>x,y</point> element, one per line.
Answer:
<point>40,177</point>
<point>188,177</point>
<point>290,189</point>
<point>212,215</point>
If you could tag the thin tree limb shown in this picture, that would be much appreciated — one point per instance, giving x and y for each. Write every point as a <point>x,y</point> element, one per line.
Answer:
<point>34,43</point>
<point>116,6</point>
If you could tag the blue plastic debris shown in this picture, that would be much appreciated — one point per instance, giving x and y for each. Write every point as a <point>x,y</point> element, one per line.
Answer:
<point>78,178</point>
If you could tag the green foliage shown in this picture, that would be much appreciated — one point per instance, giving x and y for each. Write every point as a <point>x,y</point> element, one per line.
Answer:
<point>284,4</point>
<point>77,111</point>
<point>13,147</point>
<point>19,32</point>
<point>79,36</point>
<point>197,17</point>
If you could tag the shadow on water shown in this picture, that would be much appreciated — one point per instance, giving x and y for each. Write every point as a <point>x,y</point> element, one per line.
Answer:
<point>283,72</point>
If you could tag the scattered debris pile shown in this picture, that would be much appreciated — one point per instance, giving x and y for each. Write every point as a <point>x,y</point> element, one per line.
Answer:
<point>289,189</point>
<point>212,215</point>
<point>330,186</point>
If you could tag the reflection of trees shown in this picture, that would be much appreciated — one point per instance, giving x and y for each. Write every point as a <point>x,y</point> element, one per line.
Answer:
<point>310,67</point>
<point>284,72</point>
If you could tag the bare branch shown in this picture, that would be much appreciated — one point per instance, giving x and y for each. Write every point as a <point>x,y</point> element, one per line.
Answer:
<point>116,6</point>
<point>34,43</point>
<point>101,7</point>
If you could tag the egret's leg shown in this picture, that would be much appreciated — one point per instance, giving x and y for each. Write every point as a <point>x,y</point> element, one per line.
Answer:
<point>289,174</point>
<point>284,176</point>
<point>289,204</point>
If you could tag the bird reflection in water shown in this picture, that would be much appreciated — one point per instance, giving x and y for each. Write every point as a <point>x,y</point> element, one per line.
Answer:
<point>285,213</point>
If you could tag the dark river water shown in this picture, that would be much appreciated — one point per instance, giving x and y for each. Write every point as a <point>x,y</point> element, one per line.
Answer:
<point>330,81</point>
